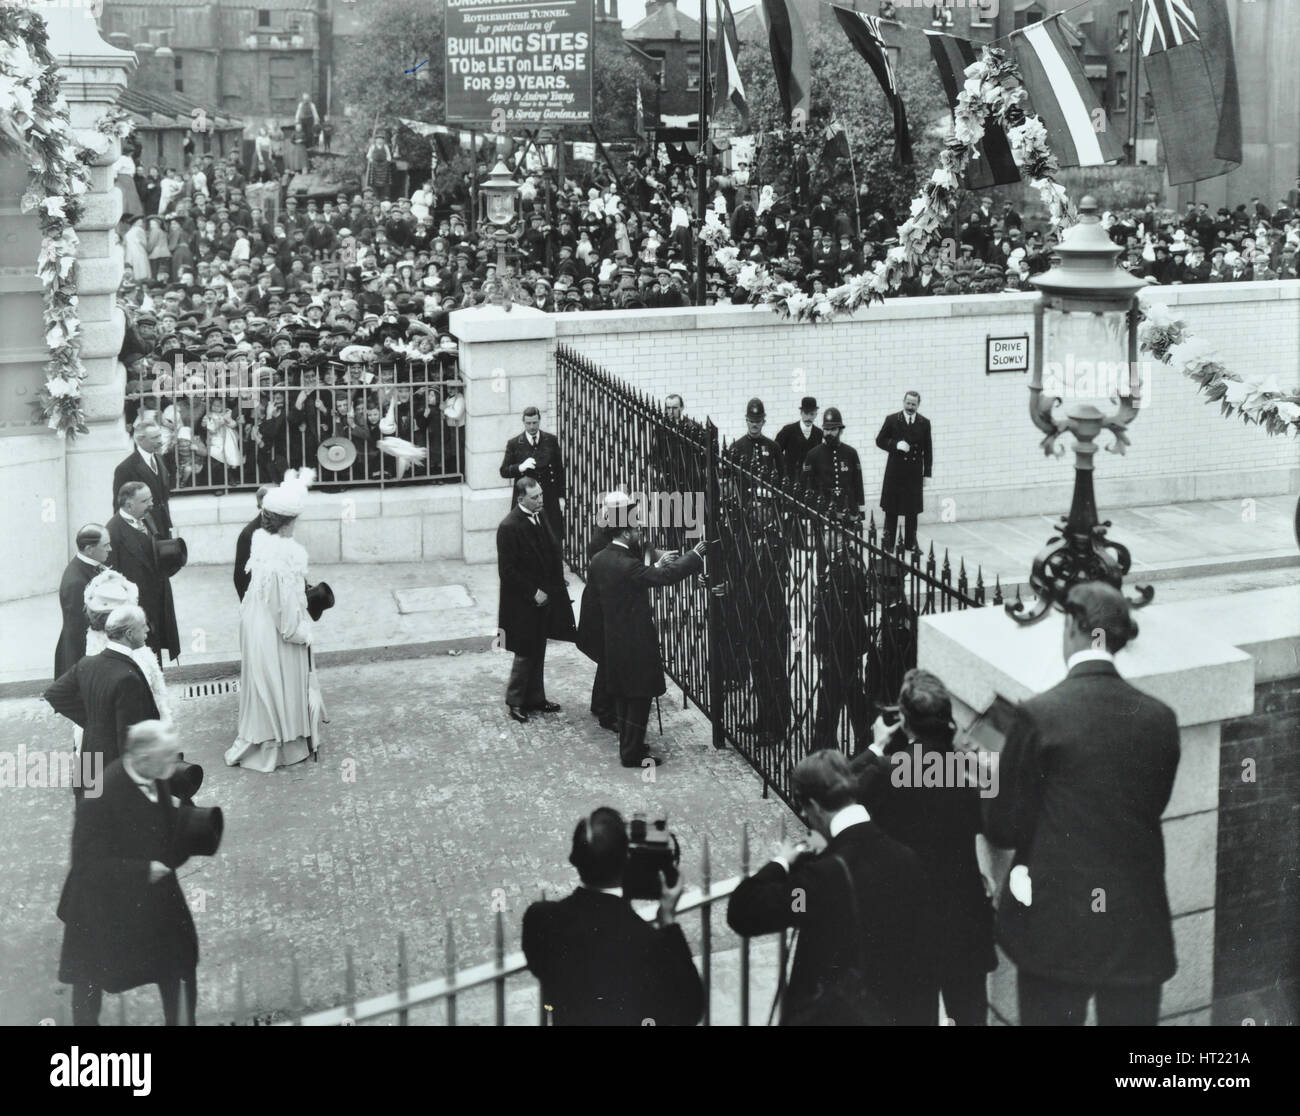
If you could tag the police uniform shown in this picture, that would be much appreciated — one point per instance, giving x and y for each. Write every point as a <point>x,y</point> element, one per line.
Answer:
<point>757,453</point>
<point>835,469</point>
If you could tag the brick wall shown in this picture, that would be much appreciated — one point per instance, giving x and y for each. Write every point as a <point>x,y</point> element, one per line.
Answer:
<point>1257,917</point>
<point>986,451</point>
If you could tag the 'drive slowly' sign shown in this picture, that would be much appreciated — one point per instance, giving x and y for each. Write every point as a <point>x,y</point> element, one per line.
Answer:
<point>1007,354</point>
<point>518,63</point>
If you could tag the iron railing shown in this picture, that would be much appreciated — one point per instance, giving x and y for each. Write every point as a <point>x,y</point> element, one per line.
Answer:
<point>232,427</point>
<point>802,627</point>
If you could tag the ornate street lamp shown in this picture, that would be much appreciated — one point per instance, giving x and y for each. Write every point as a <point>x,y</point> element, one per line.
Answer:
<point>1086,343</point>
<point>500,194</point>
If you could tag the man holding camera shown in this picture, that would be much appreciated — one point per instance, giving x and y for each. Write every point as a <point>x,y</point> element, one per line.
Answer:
<point>631,666</point>
<point>599,963</point>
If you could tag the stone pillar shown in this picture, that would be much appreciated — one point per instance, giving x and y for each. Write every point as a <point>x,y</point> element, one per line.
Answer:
<point>505,357</point>
<point>94,75</point>
<point>981,654</point>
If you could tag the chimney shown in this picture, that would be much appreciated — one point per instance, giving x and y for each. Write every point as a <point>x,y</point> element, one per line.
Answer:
<point>652,6</point>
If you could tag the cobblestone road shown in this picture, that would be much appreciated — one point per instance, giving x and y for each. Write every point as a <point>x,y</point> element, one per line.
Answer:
<point>426,800</point>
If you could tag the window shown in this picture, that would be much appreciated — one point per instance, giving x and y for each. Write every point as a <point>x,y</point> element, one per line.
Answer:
<point>692,69</point>
<point>1028,16</point>
<point>657,69</point>
<point>285,85</point>
<point>984,14</point>
<point>1121,92</point>
<point>178,74</point>
<point>1148,108</point>
<point>1122,28</point>
<point>263,17</point>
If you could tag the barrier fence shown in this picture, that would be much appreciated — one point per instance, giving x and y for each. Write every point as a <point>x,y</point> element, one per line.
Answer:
<point>802,626</point>
<point>235,426</point>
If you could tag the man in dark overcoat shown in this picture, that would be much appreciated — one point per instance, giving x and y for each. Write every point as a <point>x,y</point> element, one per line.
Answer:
<point>107,693</point>
<point>534,605</point>
<point>126,921</point>
<point>591,626</point>
<point>93,549</point>
<point>145,464</point>
<point>905,436</point>
<point>135,557</point>
<point>634,671</point>
<point>1086,773</point>
<point>536,453</point>
<point>244,545</point>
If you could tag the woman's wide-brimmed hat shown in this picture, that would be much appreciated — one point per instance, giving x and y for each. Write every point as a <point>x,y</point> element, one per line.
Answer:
<point>336,454</point>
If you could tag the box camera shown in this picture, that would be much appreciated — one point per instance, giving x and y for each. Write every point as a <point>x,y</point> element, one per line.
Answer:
<point>651,849</point>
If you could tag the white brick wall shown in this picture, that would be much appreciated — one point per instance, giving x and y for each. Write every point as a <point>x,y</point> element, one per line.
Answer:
<point>987,454</point>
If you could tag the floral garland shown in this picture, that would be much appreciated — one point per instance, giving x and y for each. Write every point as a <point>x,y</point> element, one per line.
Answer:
<point>1255,398</point>
<point>34,125</point>
<point>992,92</point>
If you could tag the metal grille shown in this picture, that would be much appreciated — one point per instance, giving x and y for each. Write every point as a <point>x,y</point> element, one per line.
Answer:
<point>801,628</point>
<point>232,427</point>
<point>210,689</point>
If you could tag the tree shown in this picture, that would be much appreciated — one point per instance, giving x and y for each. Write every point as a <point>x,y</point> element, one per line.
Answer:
<point>845,89</point>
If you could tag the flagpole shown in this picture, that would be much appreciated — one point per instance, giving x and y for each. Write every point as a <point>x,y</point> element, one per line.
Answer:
<point>853,174</point>
<point>1135,78</point>
<point>702,157</point>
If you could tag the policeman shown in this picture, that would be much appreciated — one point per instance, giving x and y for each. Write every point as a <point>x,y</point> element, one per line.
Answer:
<point>753,451</point>
<point>834,468</point>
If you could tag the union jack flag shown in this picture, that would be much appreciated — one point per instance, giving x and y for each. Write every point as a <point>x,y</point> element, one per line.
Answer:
<point>1165,24</point>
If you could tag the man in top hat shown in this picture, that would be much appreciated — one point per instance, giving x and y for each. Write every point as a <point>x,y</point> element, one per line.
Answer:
<point>905,436</point>
<point>126,921</point>
<point>1086,773</point>
<point>93,550</point>
<point>134,555</point>
<point>536,453</point>
<point>145,463</point>
<point>833,468</point>
<point>754,451</point>
<point>795,439</point>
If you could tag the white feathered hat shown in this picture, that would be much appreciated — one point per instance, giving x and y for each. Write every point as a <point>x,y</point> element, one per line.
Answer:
<point>290,495</point>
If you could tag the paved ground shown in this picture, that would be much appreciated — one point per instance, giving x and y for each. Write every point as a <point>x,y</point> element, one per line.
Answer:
<point>426,801</point>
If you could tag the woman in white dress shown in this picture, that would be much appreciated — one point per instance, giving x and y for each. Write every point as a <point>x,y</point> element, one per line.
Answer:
<point>107,591</point>
<point>135,250</point>
<point>279,708</point>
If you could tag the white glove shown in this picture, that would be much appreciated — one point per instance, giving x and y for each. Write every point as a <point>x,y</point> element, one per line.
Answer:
<point>903,447</point>
<point>525,466</point>
<point>1020,884</point>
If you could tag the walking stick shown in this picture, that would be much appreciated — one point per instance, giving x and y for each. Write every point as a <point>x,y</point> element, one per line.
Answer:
<point>659,714</point>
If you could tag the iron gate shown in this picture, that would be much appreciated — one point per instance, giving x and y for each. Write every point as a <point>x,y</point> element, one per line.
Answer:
<point>801,627</point>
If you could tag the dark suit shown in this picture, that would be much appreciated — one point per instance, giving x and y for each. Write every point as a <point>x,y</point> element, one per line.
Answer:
<point>795,446</point>
<point>105,694</point>
<point>120,930</point>
<point>528,559</point>
<point>72,602</point>
<point>135,557</point>
<point>836,471</point>
<point>939,824</point>
<point>633,670</point>
<point>133,468</point>
<point>591,632</point>
<point>1086,772</point>
<point>903,488</point>
<point>601,965</point>
<point>243,548</point>
<point>549,472</point>
<point>893,898</point>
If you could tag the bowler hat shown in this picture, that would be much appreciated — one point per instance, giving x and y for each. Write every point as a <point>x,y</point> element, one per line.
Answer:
<point>172,556</point>
<point>319,597</point>
<point>198,832</point>
<point>808,403</point>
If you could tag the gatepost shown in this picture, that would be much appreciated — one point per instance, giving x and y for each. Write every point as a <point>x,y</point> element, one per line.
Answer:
<point>505,360</point>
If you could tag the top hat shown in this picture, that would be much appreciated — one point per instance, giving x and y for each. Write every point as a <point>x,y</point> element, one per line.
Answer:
<point>186,780</point>
<point>197,832</point>
<point>172,555</point>
<point>319,597</point>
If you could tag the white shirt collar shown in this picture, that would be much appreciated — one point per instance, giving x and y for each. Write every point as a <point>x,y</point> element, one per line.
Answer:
<point>1088,655</point>
<point>619,542</point>
<point>90,561</point>
<point>615,891</point>
<point>136,523</point>
<point>850,815</point>
<point>120,648</point>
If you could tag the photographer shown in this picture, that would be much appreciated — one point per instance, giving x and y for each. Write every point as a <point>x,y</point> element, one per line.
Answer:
<point>598,961</point>
<point>861,908</point>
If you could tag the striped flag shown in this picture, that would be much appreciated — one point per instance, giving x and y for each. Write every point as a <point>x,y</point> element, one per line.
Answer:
<point>727,84</point>
<point>867,35</point>
<point>996,166</point>
<point>788,42</point>
<point>1190,67</point>
<point>1078,131</point>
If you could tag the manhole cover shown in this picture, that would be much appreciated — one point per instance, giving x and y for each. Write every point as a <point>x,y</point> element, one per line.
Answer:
<point>211,689</point>
<point>434,598</point>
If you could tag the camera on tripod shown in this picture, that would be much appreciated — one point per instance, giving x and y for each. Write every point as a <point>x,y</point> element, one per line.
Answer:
<point>651,849</point>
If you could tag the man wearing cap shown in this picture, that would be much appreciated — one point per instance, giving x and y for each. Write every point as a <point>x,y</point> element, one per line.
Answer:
<point>536,453</point>
<point>833,468</point>
<point>905,436</point>
<point>126,920</point>
<point>795,439</point>
<point>1086,773</point>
